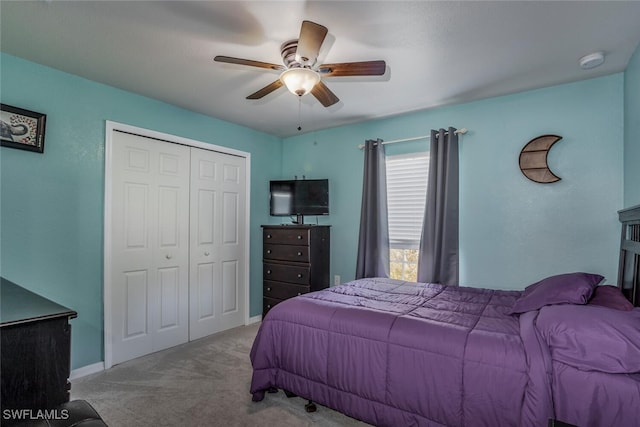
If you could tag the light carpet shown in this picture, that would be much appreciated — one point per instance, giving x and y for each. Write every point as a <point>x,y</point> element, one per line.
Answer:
<point>201,383</point>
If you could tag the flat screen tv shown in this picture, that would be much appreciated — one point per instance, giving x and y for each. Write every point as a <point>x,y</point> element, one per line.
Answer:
<point>299,197</point>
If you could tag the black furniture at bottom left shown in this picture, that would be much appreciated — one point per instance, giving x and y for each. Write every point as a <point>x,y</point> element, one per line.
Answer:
<point>35,353</point>
<point>77,413</point>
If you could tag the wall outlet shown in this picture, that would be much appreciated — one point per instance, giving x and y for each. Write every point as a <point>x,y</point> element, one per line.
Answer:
<point>336,280</point>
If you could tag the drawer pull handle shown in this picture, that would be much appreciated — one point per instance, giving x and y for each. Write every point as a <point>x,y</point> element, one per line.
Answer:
<point>299,275</point>
<point>299,294</point>
<point>268,251</point>
<point>268,236</point>
<point>268,289</point>
<point>299,253</point>
<point>268,271</point>
<point>206,254</point>
<point>268,305</point>
<point>168,256</point>
<point>299,237</point>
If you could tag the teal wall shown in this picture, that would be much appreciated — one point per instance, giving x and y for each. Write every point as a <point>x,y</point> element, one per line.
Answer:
<point>512,231</point>
<point>632,131</point>
<point>52,204</point>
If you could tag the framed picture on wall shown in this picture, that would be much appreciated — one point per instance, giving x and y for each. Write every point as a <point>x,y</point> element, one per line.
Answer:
<point>22,129</point>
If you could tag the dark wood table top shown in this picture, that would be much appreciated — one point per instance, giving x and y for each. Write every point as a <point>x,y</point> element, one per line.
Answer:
<point>19,305</point>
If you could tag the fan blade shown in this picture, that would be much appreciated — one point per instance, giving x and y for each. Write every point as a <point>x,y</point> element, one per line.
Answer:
<point>266,90</point>
<point>324,95</point>
<point>311,37</point>
<point>366,68</point>
<point>248,62</point>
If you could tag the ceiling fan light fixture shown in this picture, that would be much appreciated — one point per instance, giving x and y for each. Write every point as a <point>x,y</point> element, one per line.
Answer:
<point>300,81</point>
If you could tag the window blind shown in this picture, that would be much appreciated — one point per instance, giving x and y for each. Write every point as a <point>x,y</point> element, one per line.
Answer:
<point>407,176</point>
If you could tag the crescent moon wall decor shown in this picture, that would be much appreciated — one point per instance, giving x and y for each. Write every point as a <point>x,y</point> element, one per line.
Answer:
<point>533,159</point>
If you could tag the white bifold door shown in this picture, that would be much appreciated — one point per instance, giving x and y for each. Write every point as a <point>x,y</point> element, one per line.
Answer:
<point>217,242</point>
<point>177,244</point>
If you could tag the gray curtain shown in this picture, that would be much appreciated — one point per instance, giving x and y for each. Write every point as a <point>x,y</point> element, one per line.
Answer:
<point>438,257</point>
<point>373,243</point>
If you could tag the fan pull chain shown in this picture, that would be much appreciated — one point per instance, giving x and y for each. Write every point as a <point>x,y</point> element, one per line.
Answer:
<point>299,113</point>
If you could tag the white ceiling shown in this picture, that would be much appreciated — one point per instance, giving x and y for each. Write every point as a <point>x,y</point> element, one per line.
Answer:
<point>437,53</point>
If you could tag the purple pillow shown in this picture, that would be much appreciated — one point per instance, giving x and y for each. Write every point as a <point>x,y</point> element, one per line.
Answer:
<point>570,288</point>
<point>611,297</point>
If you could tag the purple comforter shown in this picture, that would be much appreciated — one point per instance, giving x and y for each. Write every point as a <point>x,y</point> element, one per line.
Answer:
<point>394,353</point>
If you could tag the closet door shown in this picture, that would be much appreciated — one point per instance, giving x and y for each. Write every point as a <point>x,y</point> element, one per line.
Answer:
<point>150,245</point>
<point>217,260</point>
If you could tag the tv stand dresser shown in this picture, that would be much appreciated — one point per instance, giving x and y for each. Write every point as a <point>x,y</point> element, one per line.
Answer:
<point>295,260</point>
<point>35,351</point>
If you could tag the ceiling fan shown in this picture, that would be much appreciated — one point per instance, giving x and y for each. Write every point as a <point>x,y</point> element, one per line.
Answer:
<point>300,73</point>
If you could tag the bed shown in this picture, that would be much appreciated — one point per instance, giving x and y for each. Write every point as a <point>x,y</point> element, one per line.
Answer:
<point>394,353</point>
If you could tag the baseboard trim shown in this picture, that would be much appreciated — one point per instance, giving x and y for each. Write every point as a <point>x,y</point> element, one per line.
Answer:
<point>255,319</point>
<point>86,370</point>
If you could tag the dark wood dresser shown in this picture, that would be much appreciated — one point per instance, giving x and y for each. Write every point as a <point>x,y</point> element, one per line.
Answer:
<point>295,261</point>
<point>35,350</point>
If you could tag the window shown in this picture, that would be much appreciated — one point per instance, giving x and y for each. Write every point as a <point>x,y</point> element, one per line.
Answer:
<point>407,176</point>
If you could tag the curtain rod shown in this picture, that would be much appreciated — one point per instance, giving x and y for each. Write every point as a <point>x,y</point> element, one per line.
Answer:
<point>415,138</point>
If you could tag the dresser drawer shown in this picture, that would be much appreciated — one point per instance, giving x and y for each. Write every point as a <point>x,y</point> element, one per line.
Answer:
<point>286,252</point>
<point>282,290</point>
<point>286,236</point>
<point>285,273</point>
<point>268,304</point>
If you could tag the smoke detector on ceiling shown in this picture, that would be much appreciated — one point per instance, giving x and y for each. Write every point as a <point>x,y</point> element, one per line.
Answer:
<point>592,60</point>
